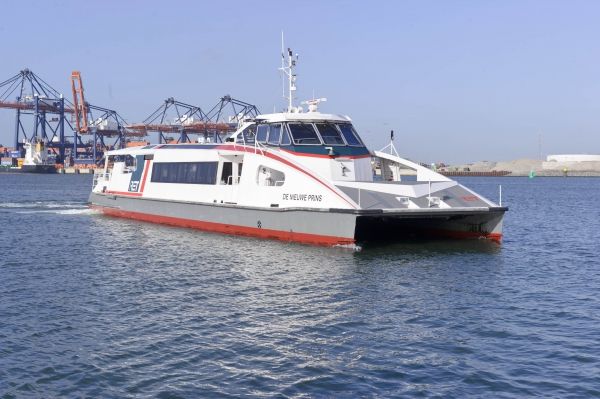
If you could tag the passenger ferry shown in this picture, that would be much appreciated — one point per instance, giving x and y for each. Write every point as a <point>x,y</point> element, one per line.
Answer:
<point>301,176</point>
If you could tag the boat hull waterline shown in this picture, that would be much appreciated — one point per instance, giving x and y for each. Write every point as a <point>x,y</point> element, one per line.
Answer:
<point>324,227</point>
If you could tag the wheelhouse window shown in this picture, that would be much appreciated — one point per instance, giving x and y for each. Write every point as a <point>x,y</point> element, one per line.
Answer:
<point>247,136</point>
<point>262,131</point>
<point>285,137</point>
<point>274,133</point>
<point>330,134</point>
<point>184,172</point>
<point>349,134</point>
<point>304,133</point>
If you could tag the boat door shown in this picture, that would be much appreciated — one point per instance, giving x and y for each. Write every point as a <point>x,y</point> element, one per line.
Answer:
<point>230,173</point>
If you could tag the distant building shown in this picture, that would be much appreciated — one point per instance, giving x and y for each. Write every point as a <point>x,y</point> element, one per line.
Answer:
<point>572,162</point>
<point>573,158</point>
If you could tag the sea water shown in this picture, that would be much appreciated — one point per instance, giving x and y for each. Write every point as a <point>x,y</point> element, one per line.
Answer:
<point>93,306</point>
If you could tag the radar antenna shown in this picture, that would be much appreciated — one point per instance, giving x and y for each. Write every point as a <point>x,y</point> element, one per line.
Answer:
<point>313,105</point>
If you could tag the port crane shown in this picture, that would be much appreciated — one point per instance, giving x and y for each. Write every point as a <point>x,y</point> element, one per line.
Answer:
<point>60,123</point>
<point>82,132</point>
<point>39,105</point>
<point>105,127</point>
<point>176,121</point>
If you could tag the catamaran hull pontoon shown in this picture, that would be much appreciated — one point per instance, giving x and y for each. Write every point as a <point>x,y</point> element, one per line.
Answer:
<point>327,227</point>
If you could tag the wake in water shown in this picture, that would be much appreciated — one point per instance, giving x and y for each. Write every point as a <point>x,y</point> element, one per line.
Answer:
<point>54,207</point>
<point>85,211</point>
<point>43,204</point>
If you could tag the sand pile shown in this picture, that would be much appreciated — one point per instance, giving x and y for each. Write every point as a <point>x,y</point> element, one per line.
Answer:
<point>522,167</point>
<point>519,166</point>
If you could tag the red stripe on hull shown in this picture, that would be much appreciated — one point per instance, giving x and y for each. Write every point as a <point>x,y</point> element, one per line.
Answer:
<point>146,167</point>
<point>125,193</point>
<point>272,155</point>
<point>303,238</point>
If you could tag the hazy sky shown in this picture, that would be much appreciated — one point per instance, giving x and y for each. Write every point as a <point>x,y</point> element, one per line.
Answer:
<point>456,80</point>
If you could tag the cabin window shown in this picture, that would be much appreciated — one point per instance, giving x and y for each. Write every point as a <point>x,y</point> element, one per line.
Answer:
<point>329,134</point>
<point>261,133</point>
<point>285,137</point>
<point>247,136</point>
<point>349,134</point>
<point>274,133</point>
<point>304,133</point>
<point>184,172</point>
<point>130,162</point>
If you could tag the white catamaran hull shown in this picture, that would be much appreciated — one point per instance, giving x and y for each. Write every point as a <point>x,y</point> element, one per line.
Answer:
<point>327,227</point>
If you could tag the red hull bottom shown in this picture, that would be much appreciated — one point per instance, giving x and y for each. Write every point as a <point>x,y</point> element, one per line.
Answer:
<point>463,235</point>
<point>289,236</point>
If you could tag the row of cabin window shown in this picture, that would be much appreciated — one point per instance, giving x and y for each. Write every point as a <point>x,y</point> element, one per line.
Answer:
<point>185,172</point>
<point>303,134</point>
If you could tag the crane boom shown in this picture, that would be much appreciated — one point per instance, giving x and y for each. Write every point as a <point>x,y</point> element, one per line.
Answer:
<point>79,104</point>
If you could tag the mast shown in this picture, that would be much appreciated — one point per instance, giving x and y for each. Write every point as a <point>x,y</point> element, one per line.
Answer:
<point>288,70</point>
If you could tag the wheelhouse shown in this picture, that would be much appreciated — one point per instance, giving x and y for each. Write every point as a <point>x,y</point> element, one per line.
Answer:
<point>317,136</point>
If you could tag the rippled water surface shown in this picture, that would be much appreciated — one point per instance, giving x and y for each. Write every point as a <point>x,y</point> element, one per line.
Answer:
<point>92,306</point>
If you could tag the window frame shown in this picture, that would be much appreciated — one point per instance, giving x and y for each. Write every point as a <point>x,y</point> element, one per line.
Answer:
<point>334,125</point>
<point>271,125</point>
<point>285,130</point>
<point>245,135</point>
<point>293,140</point>
<point>162,172</point>
<point>258,126</point>
<point>354,133</point>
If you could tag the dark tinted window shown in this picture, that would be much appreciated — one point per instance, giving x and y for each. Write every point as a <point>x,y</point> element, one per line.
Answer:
<point>349,134</point>
<point>304,133</point>
<point>329,134</point>
<point>274,133</point>
<point>226,174</point>
<point>184,172</point>
<point>261,133</point>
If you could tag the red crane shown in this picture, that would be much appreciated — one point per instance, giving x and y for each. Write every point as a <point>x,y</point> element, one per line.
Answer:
<point>79,104</point>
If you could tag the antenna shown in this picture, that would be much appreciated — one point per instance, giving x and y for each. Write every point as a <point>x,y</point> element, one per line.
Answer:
<point>391,145</point>
<point>288,70</point>
<point>313,105</point>
<point>282,68</point>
